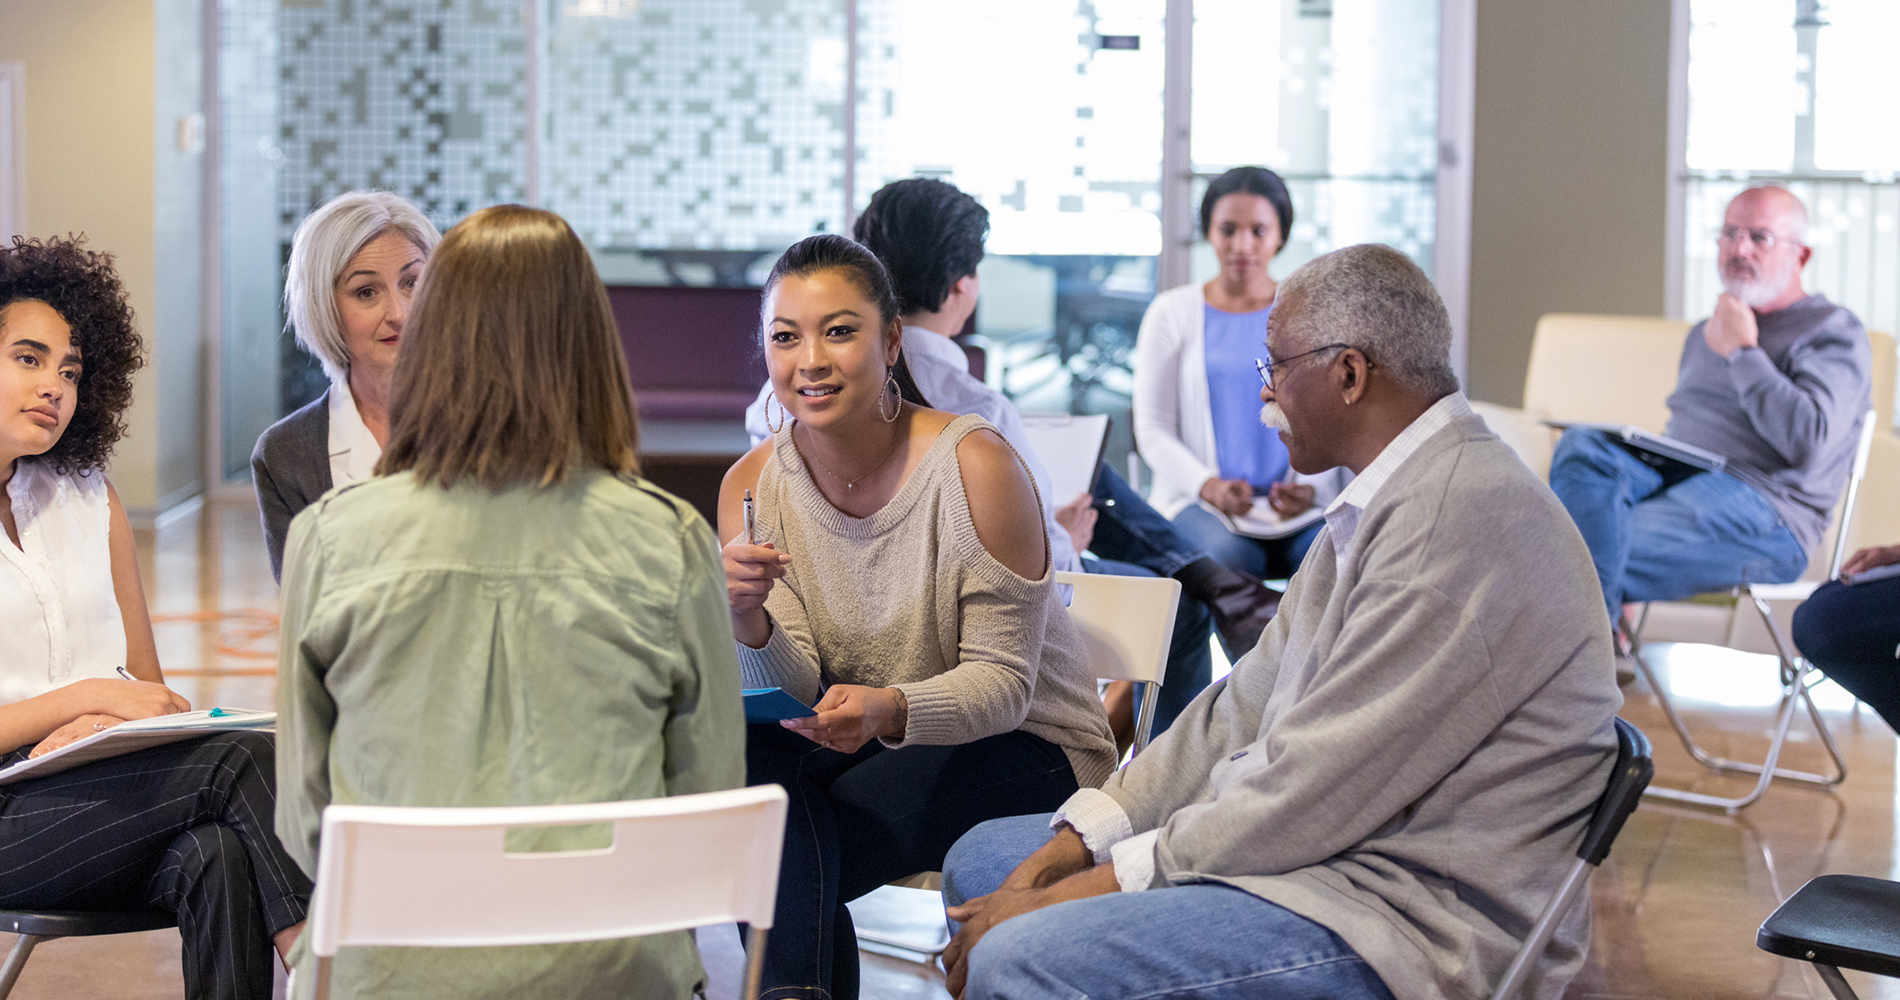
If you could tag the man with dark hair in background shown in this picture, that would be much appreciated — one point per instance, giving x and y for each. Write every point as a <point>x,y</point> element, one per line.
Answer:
<point>930,236</point>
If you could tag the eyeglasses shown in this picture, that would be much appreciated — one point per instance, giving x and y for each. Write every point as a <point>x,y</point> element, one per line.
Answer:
<point>1764,239</point>
<point>1265,368</point>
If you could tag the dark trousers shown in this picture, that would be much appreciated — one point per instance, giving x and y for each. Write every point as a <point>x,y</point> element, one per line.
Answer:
<point>1851,634</point>
<point>857,821</point>
<point>186,828</point>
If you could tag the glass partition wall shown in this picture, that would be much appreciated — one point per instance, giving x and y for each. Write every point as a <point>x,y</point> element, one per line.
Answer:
<point>690,141</point>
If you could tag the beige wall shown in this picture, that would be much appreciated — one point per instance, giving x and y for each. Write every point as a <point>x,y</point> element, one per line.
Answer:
<point>1569,172</point>
<point>89,73</point>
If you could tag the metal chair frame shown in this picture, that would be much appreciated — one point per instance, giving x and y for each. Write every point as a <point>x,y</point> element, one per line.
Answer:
<point>1798,676</point>
<point>1634,768</point>
<point>46,925</point>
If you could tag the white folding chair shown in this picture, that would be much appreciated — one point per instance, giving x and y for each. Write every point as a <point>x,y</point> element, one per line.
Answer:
<point>1765,632</point>
<point>1127,625</point>
<point>440,878</point>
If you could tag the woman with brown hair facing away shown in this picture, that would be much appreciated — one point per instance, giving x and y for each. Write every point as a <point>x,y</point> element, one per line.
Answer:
<point>506,614</point>
<point>898,580</point>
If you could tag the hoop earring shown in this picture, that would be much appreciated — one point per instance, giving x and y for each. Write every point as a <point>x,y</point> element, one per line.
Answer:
<point>769,401</point>
<point>897,393</point>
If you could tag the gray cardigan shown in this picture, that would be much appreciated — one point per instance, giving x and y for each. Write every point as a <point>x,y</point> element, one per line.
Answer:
<point>290,468</point>
<point>1424,794</point>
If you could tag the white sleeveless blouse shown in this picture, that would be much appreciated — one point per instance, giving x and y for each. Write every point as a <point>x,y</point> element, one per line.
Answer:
<point>59,616</point>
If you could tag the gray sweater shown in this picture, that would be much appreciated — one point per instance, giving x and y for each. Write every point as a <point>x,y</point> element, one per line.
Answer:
<point>909,598</point>
<point>1786,416</point>
<point>1424,792</point>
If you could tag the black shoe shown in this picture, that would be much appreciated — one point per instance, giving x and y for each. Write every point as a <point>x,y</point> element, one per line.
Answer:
<point>1242,606</point>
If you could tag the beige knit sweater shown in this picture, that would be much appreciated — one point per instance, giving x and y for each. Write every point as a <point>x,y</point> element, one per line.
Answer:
<point>909,598</point>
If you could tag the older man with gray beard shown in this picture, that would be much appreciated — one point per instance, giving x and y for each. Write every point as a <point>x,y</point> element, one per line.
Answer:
<point>1775,381</point>
<point>1379,799</point>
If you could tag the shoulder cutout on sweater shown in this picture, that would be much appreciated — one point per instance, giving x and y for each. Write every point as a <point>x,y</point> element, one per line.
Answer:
<point>1004,507</point>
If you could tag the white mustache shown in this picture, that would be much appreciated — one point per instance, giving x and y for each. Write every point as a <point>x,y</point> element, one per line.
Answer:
<point>1272,416</point>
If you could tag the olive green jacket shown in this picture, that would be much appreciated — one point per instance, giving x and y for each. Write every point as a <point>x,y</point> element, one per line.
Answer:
<point>468,647</point>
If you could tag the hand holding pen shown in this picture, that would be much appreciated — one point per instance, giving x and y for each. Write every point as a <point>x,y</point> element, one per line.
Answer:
<point>750,566</point>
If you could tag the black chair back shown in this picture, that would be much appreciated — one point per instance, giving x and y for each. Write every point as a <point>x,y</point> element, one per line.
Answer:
<point>1633,770</point>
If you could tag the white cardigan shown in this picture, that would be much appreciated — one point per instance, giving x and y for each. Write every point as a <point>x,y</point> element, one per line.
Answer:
<point>1174,424</point>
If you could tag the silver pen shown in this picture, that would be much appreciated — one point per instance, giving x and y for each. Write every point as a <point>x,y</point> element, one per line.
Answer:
<point>749,536</point>
<point>126,675</point>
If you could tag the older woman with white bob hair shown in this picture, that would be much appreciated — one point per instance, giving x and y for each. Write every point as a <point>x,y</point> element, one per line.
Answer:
<point>354,264</point>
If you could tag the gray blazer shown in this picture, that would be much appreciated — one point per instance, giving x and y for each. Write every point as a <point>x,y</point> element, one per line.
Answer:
<point>290,467</point>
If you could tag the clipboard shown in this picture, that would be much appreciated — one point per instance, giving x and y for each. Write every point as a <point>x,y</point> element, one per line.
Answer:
<point>1071,446</point>
<point>773,705</point>
<point>140,734</point>
<point>1652,444</point>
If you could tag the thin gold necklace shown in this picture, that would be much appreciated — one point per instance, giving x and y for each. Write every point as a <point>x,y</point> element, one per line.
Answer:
<point>850,484</point>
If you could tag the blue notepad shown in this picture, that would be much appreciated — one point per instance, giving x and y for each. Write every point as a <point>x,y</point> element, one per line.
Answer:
<point>773,705</point>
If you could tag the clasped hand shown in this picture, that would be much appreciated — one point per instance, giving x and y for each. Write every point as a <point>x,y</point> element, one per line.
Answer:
<point>849,716</point>
<point>1062,870</point>
<point>1234,497</point>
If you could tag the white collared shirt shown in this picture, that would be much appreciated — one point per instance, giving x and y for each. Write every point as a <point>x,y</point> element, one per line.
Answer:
<point>1097,817</point>
<point>59,613</point>
<point>942,374</point>
<point>353,449</point>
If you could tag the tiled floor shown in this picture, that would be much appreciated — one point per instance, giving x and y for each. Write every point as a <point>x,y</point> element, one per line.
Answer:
<point>1676,906</point>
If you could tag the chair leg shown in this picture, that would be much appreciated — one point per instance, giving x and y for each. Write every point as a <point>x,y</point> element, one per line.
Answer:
<point>754,963</point>
<point>1836,983</point>
<point>1145,722</point>
<point>1794,672</point>
<point>16,960</point>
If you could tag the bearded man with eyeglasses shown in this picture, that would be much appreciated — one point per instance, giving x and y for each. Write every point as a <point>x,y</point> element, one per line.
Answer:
<point>1776,381</point>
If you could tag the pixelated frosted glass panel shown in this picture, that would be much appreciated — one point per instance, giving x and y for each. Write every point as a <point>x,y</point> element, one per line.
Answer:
<point>1856,125</point>
<point>696,124</point>
<point>1236,115</point>
<point>1015,104</point>
<point>1742,93</point>
<point>1383,105</point>
<point>426,98</point>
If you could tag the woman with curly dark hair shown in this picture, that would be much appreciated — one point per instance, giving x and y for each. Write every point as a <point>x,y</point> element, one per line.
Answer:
<point>186,827</point>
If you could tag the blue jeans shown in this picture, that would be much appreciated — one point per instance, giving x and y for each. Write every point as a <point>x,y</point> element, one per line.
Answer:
<point>1202,940</point>
<point>1261,558</point>
<point>1128,530</point>
<point>1663,535</point>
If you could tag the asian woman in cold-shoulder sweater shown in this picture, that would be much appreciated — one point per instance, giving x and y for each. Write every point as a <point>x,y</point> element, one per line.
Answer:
<point>899,582</point>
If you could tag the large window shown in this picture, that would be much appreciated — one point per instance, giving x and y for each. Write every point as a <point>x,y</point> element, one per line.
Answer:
<point>690,141</point>
<point>1341,98</point>
<point>1796,92</point>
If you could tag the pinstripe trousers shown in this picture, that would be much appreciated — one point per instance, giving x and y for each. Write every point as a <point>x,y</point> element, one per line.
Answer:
<point>186,828</point>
